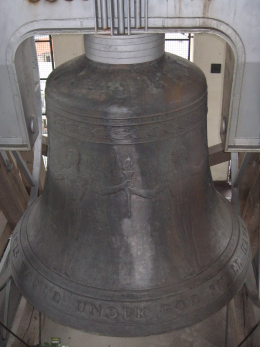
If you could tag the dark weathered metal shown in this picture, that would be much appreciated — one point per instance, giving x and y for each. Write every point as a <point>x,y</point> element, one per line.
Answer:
<point>130,237</point>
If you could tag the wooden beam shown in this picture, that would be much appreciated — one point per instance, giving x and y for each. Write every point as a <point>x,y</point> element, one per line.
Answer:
<point>251,215</point>
<point>28,157</point>
<point>44,145</point>
<point>42,177</point>
<point>5,232</point>
<point>245,318</point>
<point>223,188</point>
<point>25,325</point>
<point>250,174</point>
<point>217,155</point>
<point>249,197</point>
<point>14,197</point>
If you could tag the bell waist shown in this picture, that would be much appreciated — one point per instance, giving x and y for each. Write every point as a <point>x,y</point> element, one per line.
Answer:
<point>129,130</point>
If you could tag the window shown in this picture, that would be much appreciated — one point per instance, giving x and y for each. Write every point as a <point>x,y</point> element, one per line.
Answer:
<point>44,50</point>
<point>178,44</point>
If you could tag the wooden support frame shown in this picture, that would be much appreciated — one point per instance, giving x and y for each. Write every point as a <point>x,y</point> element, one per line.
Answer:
<point>14,197</point>
<point>217,155</point>
<point>5,233</point>
<point>249,196</point>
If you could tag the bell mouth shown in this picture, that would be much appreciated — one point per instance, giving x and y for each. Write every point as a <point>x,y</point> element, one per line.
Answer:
<point>134,49</point>
<point>130,312</point>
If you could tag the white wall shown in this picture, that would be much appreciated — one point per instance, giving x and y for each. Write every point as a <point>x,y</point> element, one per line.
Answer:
<point>67,47</point>
<point>210,49</point>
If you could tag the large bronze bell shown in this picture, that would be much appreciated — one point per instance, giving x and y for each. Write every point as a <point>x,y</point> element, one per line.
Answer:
<point>130,237</point>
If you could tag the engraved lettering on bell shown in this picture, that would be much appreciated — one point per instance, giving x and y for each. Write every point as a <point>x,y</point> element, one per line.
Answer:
<point>81,306</point>
<point>166,308</point>
<point>113,313</point>
<point>195,299</point>
<point>35,284</point>
<point>180,305</point>
<point>140,313</point>
<point>127,313</point>
<point>15,247</point>
<point>96,310</point>
<point>44,292</point>
<point>244,246</point>
<point>236,266</point>
<point>129,237</point>
<point>56,297</point>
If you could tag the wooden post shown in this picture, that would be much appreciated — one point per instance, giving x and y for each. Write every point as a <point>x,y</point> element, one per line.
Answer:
<point>5,232</point>
<point>249,196</point>
<point>13,195</point>
<point>28,158</point>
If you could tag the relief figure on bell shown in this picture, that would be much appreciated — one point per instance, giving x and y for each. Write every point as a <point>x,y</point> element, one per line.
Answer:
<point>179,186</point>
<point>76,186</point>
<point>176,181</point>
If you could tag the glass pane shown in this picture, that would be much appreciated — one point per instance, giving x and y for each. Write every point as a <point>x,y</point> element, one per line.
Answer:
<point>43,50</point>
<point>44,125</point>
<point>45,161</point>
<point>180,48</point>
<point>42,37</point>
<point>43,84</point>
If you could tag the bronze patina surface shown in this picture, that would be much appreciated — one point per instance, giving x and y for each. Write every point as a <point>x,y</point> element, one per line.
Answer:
<point>130,237</point>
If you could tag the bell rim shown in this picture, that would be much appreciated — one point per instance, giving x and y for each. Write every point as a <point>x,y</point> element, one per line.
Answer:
<point>122,330</point>
<point>125,329</point>
<point>225,257</point>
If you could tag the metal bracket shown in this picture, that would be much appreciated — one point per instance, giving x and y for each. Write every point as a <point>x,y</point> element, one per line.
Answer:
<point>24,168</point>
<point>237,22</point>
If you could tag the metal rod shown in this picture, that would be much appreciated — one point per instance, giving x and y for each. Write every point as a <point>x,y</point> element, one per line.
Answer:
<point>95,16</point>
<point>138,14</point>
<point>146,15</point>
<point>121,16</point>
<point>10,331</point>
<point>24,168</point>
<point>128,18</point>
<point>52,57</point>
<point>47,40</point>
<point>242,168</point>
<point>112,17</point>
<point>248,335</point>
<point>104,14</point>
<point>189,47</point>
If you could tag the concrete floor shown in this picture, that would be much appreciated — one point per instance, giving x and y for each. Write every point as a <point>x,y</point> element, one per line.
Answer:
<point>209,333</point>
